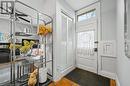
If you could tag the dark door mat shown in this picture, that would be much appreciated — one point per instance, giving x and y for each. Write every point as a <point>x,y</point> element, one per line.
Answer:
<point>85,78</point>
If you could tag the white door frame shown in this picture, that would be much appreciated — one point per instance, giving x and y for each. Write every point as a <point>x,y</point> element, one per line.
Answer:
<point>98,18</point>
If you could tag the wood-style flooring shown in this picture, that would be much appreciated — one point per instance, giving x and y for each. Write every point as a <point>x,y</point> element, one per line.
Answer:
<point>112,83</point>
<point>66,82</point>
<point>79,77</point>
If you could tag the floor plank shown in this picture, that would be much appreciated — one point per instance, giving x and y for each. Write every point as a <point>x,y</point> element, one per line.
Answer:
<point>112,83</point>
<point>64,82</point>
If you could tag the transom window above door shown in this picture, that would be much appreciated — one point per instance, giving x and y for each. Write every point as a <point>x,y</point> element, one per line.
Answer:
<point>88,15</point>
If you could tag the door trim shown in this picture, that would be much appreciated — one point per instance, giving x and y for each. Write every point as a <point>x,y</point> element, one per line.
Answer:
<point>96,6</point>
<point>78,57</point>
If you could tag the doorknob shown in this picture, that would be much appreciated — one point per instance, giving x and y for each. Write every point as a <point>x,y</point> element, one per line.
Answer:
<point>95,49</point>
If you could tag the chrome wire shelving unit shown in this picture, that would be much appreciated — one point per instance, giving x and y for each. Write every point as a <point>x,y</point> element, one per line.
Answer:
<point>17,12</point>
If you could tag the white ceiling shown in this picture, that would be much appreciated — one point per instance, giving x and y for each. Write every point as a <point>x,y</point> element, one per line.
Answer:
<point>78,4</point>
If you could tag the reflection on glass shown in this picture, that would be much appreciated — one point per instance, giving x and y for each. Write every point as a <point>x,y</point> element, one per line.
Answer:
<point>85,43</point>
<point>86,16</point>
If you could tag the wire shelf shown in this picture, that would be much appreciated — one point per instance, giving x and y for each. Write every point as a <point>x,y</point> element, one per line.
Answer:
<point>15,15</point>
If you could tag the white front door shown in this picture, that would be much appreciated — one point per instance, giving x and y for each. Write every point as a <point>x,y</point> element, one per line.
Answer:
<point>86,50</point>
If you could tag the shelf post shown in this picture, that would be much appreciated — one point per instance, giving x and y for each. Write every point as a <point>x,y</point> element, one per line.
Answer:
<point>12,23</point>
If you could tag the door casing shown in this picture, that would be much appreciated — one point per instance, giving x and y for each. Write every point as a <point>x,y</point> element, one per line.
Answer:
<point>98,20</point>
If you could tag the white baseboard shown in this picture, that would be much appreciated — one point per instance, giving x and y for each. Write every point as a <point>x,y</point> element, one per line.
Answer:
<point>57,78</point>
<point>68,70</point>
<point>107,74</point>
<point>86,68</point>
<point>117,81</point>
<point>64,73</point>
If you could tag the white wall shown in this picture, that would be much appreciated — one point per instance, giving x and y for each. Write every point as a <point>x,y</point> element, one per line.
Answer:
<point>123,69</point>
<point>61,5</point>
<point>108,19</point>
<point>107,64</point>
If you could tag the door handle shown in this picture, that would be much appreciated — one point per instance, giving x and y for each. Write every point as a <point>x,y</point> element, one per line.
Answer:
<point>95,49</point>
<point>96,42</point>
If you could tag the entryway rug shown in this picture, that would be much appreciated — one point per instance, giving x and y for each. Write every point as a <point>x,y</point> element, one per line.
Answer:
<point>85,78</point>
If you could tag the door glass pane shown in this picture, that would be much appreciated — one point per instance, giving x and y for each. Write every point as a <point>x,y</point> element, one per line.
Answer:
<point>85,43</point>
<point>82,17</point>
<point>87,15</point>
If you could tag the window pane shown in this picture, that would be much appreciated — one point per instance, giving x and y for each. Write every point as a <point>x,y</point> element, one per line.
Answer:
<point>85,40</point>
<point>85,43</point>
<point>88,15</point>
<point>82,17</point>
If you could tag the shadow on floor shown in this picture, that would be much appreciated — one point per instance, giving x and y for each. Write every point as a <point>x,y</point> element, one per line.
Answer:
<point>85,78</point>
